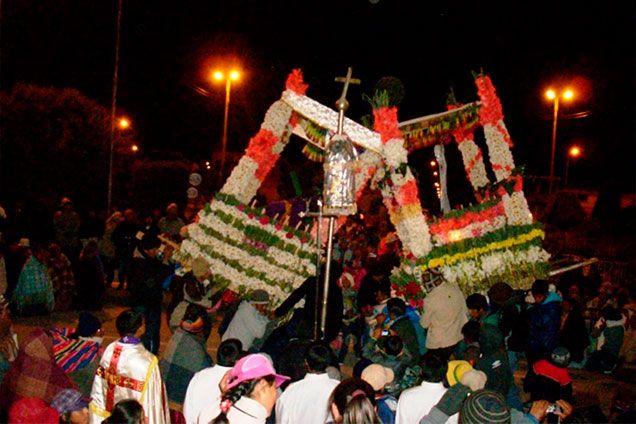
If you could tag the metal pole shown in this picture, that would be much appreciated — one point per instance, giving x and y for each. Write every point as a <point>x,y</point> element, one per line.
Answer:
<point>554,130</point>
<point>227,109</point>
<point>323,319</point>
<point>112,110</point>
<point>567,169</point>
<point>318,257</point>
<point>572,267</point>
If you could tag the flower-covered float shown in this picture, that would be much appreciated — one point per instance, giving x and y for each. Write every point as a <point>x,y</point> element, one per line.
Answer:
<point>473,247</point>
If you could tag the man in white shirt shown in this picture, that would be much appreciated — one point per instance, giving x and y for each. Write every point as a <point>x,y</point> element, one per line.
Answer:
<point>445,313</point>
<point>204,386</point>
<point>250,320</point>
<point>307,401</point>
<point>416,402</point>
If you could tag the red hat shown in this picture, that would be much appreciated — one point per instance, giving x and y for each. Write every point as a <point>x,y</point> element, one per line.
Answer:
<point>32,410</point>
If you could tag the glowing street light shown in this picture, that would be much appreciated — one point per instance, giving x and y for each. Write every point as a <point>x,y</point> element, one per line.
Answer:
<point>233,75</point>
<point>123,123</point>
<point>574,152</point>
<point>554,96</point>
<point>134,148</point>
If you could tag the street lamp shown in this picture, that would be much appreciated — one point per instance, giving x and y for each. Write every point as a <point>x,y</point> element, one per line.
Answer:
<point>554,96</point>
<point>122,124</point>
<point>220,76</point>
<point>574,152</point>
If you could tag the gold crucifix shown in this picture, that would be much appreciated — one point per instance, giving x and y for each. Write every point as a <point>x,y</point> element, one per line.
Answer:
<point>342,104</point>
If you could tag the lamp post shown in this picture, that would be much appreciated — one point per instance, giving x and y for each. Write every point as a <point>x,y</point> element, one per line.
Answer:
<point>552,95</point>
<point>574,152</point>
<point>220,76</point>
<point>114,107</point>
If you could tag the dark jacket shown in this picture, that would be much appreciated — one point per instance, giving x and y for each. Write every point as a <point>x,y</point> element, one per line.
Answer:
<point>494,360</point>
<point>574,335</point>
<point>544,322</point>
<point>403,327</point>
<point>307,290</point>
<point>147,276</point>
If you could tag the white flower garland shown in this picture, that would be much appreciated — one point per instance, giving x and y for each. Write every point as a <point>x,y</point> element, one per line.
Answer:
<point>517,209</point>
<point>499,151</point>
<point>470,151</point>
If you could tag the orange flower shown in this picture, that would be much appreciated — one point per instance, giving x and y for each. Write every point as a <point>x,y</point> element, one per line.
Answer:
<point>295,82</point>
<point>386,123</point>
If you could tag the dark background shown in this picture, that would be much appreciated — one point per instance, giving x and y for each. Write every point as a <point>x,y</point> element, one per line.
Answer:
<point>168,50</point>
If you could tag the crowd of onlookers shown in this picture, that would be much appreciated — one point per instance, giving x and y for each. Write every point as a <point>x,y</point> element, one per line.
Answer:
<point>453,361</point>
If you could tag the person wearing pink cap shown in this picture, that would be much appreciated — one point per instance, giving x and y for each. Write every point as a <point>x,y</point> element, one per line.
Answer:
<point>250,393</point>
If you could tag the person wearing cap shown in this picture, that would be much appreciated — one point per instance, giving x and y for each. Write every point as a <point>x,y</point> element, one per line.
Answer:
<point>250,320</point>
<point>194,287</point>
<point>171,224</point>
<point>486,406</point>
<point>307,400</point>
<point>250,393</point>
<point>185,355</point>
<point>72,406</point>
<point>417,401</point>
<point>550,379</point>
<point>379,377</point>
<point>205,383</point>
<point>147,275</point>
<point>128,371</point>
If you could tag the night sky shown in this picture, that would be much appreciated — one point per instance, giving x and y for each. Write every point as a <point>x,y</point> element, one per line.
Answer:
<point>168,50</point>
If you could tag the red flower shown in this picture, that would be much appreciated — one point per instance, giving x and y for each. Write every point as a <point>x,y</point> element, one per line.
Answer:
<point>264,220</point>
<point>303,240</point>
<point>289,235</point>
<point>251,215</point>
<point>279,226</point>
<point>518,183</point>
<point>408,194</point>
<point>412,288</point>
<point>490,111</point>
<point>386,123</point>
<point>295,82</point>
<point>241,207</point>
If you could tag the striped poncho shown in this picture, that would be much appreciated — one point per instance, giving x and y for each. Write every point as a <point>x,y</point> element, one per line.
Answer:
<point>72,354</point>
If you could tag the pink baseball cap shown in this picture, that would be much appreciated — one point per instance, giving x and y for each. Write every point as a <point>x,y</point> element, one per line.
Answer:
<point>253,366</point>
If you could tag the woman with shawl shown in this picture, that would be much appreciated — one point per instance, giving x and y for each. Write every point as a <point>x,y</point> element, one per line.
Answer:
<point>34,373</point>
<point>8,338</point>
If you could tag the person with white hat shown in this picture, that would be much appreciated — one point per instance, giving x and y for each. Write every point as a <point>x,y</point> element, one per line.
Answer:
<point>250,320</point>
<point>379,377</point>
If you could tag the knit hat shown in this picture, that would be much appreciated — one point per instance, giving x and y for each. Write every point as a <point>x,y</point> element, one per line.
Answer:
<point>456,370</point>
<point>560,356</point>
<point>193,327</point>
<point>88,325</point>
<point>69,400</point>
<point>253,366</point>
<point>200,267</point>
<point>32,410</point>
<point>377,376</point>
<point>474,379</point>
<point>259,296</point>
<point>484,406</point>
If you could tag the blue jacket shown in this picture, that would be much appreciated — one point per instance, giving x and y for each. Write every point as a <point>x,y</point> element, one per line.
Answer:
<point>544,321</point>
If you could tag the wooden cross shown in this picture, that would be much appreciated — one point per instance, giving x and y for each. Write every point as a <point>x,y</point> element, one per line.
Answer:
<point>342,103</point>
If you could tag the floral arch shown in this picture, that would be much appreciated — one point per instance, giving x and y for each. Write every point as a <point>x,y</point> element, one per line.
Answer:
<point>472,247</point>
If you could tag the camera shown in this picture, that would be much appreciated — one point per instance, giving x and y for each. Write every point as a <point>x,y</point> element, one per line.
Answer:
<point>384,333</point>
<point>553,408</point>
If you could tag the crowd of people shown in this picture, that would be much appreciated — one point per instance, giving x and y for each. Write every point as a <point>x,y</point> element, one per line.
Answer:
<point>453,361</point>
